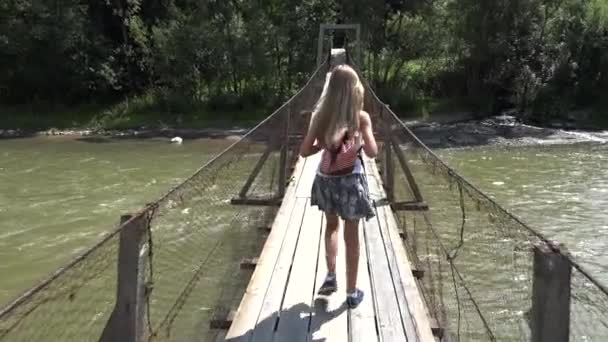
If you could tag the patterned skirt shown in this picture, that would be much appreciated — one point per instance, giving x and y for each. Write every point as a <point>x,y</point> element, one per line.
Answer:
<point>346,196</point>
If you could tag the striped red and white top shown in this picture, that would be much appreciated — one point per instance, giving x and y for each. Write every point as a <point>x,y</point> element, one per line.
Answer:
<point>342,160</point>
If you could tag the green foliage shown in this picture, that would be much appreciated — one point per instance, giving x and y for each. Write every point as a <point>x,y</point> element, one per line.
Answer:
<point>170,57</point>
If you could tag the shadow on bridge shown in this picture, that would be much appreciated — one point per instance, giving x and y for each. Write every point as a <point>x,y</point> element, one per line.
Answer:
<point>299,315</point>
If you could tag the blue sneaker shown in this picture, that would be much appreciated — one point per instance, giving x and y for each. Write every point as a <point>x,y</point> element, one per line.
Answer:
<point>354,299</point>
<point>330,285</point>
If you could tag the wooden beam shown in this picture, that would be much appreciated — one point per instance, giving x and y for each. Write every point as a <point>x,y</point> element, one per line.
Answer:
<point>249,263</point>
<point>550,314</point>
<point>320,45</point>
<point>284,152</point>
<point>406,170</point>
<point>222,319</point>
<point>436,328</point>
<point>389,171</point>
<point>359,49</point>
<point>325,27</point>
<point>418,274</point>
<point>410,206</point>
<point>265,229</point>
<point>256,170</point>
<point>256,201</point>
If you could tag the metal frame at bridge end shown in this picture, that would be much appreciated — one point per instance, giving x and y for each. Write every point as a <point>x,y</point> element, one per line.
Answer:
<point>334,27</point>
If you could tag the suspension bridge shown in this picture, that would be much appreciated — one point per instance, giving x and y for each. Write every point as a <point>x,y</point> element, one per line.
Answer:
<point>235,253</point>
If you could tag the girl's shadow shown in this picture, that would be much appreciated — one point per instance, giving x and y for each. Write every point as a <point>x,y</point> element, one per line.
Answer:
<point>300,314</point>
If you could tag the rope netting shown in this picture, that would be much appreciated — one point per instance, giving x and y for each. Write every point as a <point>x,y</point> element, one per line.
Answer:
<point>73,305</point>
<point>477,256</point>
<point>196,236</point>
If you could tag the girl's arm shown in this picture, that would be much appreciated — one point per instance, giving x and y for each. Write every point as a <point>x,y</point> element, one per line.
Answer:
<point>308,147</point>
<point>370,147</point>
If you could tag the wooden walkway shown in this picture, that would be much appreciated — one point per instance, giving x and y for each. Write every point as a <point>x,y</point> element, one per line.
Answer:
<point>281,303</point>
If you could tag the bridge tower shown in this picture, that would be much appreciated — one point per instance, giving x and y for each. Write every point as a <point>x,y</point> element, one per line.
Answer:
<point>321,49</point>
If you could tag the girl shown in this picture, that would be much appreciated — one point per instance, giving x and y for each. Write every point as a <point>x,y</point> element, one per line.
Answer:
<point>341,129</point>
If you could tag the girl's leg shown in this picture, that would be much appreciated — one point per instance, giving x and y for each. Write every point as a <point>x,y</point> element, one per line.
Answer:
<point>351,239</point>
<point>331,241</point>
<point>330,284</point>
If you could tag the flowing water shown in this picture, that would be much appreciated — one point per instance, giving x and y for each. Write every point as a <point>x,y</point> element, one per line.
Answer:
<point>58,196</point>
<point>562,191</point>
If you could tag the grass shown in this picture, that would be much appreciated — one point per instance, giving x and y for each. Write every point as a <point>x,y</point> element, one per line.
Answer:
<point>136,113</point>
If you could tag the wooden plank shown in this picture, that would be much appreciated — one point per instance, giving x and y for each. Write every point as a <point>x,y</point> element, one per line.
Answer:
<point>308,175</point>
<point>401,297</point>
<point>416,306</point>
<point>383,250</point>
<point>417,324</point>
<point>388,313</point>
<point>362,320</point>
<point>250,306</point>
<point>294,318</point>
<point>269,311</point>
<point>330,320</point>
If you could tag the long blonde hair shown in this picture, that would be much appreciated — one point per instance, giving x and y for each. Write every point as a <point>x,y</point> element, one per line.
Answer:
<point>337,111</point>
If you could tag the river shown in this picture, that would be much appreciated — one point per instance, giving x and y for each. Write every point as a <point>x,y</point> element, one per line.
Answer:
<point>560,190</point>
<point>60,195</point>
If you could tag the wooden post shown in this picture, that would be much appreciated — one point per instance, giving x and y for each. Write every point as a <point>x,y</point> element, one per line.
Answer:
<point>320,44</point>
<point>284,152</point>
<point>359,54</point>
<point>550,314</point>
<point>127,320</point>
<point>389,174</point>
<point>256,170</point>
<point>144,285</point>
<point>407,171</point>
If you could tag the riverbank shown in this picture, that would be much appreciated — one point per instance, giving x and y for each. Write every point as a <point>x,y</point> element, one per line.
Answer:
<point>135,120</point>
<point>218,131</point>
<point>457,129</point>
<point>504,130</point>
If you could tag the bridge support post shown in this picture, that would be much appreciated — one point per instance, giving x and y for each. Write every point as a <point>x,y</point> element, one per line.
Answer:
<point>127,320</point>
<point>407,171</point>
<point>284,154</point>
<point>388,171</point>
<point>550,314</point>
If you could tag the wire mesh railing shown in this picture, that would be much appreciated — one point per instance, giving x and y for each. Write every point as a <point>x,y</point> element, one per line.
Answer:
<point>478,258</point>
<point>188,246</point>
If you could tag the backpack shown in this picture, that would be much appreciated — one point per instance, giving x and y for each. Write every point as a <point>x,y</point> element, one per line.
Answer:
<point>341,161</point>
